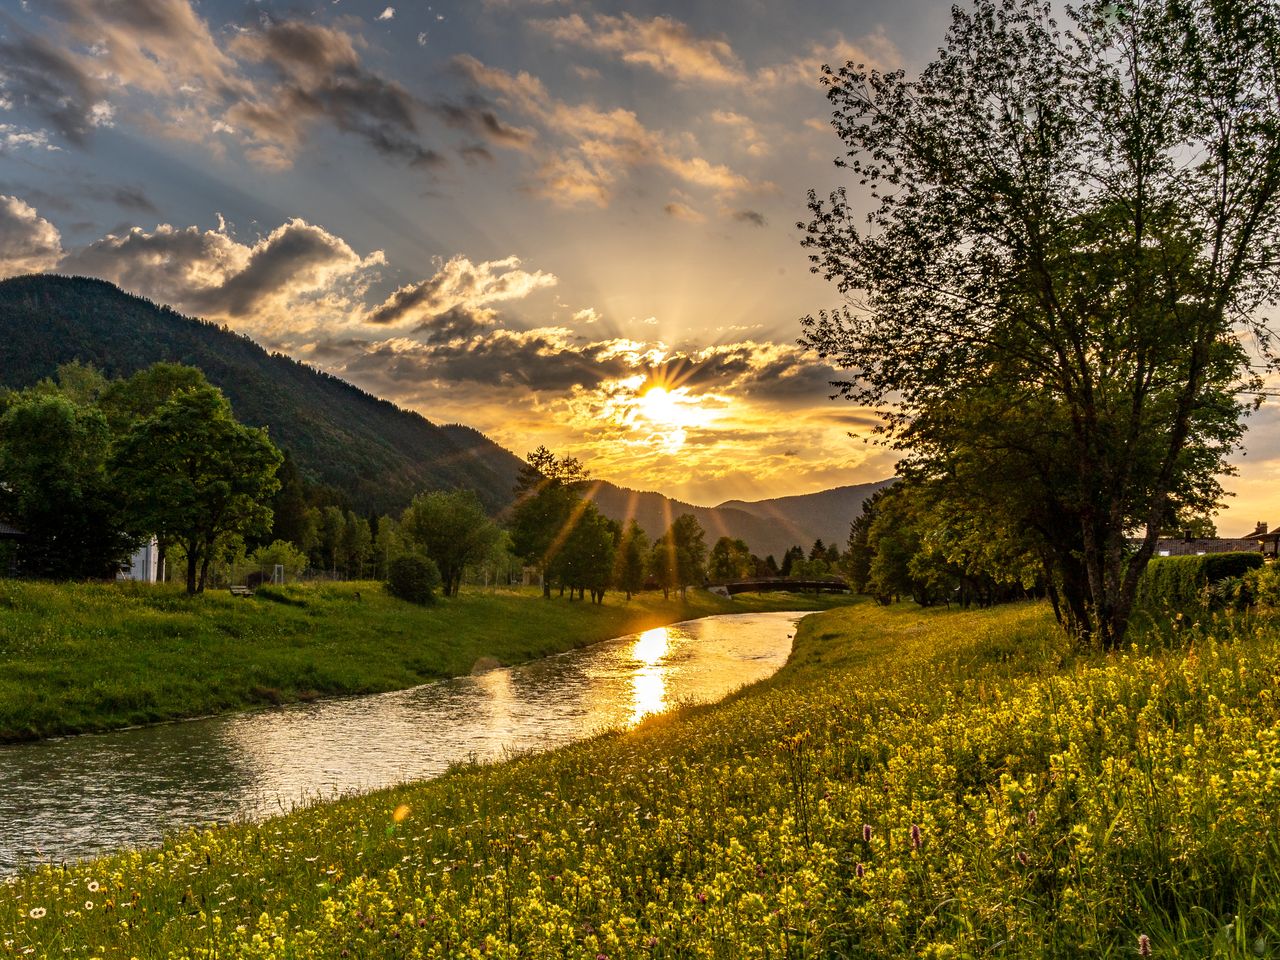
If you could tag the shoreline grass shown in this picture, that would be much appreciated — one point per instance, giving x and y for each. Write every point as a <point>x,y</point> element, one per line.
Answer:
<point>914,783</point>
<point>79,658</point>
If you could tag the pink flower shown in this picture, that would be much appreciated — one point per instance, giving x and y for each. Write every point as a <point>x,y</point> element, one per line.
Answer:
<point>866,833</point>
<point>916,842</point>
<point>1144,945</point>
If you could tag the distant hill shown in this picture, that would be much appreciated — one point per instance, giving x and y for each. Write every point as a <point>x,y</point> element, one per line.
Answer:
<point>808,517</point>
<point>376,453</point>
<point>768,526</point>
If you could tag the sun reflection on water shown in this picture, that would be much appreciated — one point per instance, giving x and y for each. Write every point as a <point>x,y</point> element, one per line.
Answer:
<point>649,682</point>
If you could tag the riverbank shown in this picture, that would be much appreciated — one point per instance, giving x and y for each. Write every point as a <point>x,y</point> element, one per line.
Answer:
<point>913,784</point>
<point>78,658</point>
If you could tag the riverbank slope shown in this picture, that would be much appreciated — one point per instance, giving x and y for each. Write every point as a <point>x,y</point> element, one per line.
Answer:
<point>78,658</point>
<point>913,784</point>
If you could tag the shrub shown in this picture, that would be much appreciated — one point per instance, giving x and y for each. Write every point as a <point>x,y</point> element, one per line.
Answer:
<point>413,577</point>
<point>1171,582</point>
<point>1261,587</point>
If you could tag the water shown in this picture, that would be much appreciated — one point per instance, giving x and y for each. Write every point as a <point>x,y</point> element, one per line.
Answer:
<point>77,797</point>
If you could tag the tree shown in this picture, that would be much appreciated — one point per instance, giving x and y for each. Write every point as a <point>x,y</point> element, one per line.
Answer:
<point>387,545</point>
<point>629,559</point>
<point>730,560</point>
<point>789,558</point>
<point>452,529</point>
<point>283,553</point>
<point>586,560</point>
<point>193,474</point>
<point>356,544</point>
<point>330,526</point>
<point>679,557</point>
<point>54,487</point>
<point>548,504</point>
<point>1071,235</point>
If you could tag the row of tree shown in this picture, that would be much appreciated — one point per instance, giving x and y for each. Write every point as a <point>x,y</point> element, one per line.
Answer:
<point>559,532</point>
<point>91,468</point>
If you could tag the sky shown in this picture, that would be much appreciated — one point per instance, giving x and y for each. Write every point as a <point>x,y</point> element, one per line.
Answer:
<point>521,215</point>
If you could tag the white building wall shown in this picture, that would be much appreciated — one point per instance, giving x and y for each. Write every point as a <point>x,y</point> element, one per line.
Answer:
<point>142,565</point>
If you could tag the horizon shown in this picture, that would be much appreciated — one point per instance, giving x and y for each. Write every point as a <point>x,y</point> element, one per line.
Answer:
<point>554,223</point>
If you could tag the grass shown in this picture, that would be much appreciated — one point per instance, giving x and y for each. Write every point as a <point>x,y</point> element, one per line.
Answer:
<point>913,784</point>
<point>90,657</point>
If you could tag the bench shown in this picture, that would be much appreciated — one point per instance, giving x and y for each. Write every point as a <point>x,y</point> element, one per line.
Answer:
<point>241,592</point>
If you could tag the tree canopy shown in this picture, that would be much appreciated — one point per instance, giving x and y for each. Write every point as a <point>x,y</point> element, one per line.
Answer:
<point>193,474</point>
<point>452,528</point>
<point>1054,301</point>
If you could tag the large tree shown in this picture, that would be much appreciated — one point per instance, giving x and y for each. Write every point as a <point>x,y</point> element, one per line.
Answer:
<point>1054,301</point>
<point>548,506</point>
<point>679,557</point>
<point>54,487</point>
<point>194,476</point>
<point>453,530</point>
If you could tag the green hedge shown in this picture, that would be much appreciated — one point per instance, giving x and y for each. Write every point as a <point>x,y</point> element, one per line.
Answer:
<point>1171,582</point>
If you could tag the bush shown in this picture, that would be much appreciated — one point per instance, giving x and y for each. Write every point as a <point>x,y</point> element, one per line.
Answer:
<point>1172,582</point>
<point>414,577</point>
<point>1261,587</point>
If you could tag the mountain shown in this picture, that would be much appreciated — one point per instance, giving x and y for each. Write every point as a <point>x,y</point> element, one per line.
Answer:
<point>825,515</point>
<point>338,435</point>
<point>768,526</point>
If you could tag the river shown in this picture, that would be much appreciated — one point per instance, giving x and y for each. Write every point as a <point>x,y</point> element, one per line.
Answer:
<point>77,797</point>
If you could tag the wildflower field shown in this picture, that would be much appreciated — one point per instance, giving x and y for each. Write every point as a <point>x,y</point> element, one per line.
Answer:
<point>77,657</point>
<point>914,784</point>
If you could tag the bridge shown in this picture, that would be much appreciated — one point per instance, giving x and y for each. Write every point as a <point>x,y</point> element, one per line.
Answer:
<point>773,584</point>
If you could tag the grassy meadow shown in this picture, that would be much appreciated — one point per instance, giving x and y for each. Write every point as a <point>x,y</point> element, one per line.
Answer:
<point>91,657</point>
<point>913,784</point>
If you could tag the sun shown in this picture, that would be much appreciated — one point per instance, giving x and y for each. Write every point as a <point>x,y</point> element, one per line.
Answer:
<point>659,407</point>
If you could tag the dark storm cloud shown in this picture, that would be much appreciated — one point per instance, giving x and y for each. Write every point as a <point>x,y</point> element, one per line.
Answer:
<point>47,81</point>
<point>753,217</point>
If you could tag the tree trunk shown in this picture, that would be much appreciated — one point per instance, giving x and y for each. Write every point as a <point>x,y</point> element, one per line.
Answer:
<point>204,570</point>
<point>193,560</point>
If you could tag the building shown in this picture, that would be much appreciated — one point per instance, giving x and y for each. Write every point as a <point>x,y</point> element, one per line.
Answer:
<point>144,565</point>
<point>1257,541</point>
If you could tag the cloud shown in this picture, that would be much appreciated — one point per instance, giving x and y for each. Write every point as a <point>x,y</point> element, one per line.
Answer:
<point>669,47</point>
<point>273,284</point>
<point>13,137</point>
<point>663,44</point>
<point>320,77</point>
<point>752,141</point>
<point>459,283</point>
<point>754,217</point>
<point>154,45</point>
<point>589,149</point>
<point>682,211</point>
<point>805,69</point>
<point>158,63</point>
<point>28,242</point>
<point>50,83</point>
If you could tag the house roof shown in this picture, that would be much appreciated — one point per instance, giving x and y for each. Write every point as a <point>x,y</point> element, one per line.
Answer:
<point>10,533</point>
